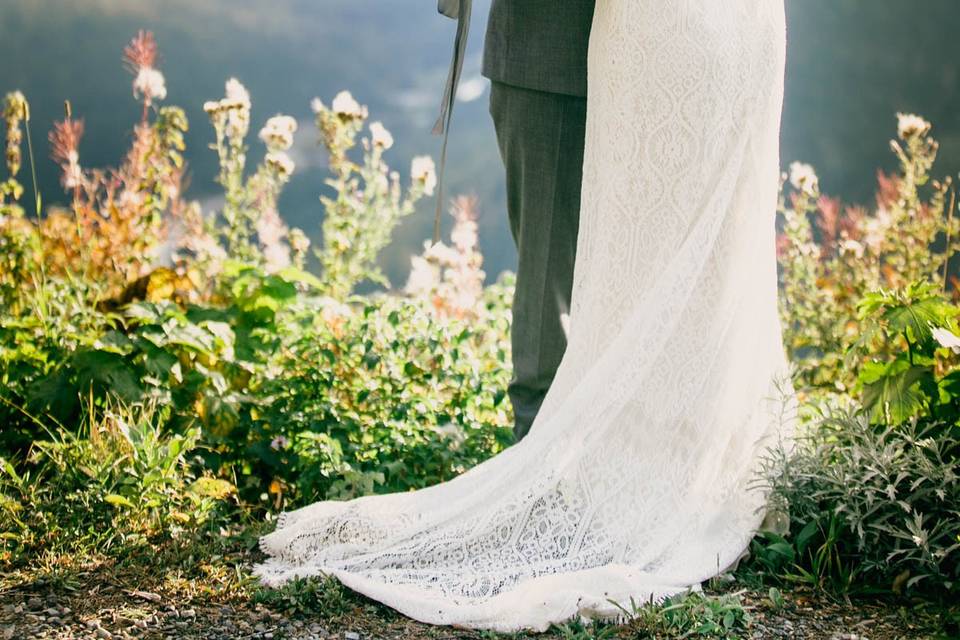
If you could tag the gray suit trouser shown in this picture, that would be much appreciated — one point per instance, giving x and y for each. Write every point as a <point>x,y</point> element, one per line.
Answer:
<point>541,138</point>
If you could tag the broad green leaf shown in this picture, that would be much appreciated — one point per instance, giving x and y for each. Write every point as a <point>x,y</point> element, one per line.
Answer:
<point>118,501</point>
<point>916,319</point>
<point>292,274</point>
<point>894,393</point>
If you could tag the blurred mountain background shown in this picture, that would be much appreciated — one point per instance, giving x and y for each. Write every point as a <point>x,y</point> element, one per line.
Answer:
<point>852,65</point>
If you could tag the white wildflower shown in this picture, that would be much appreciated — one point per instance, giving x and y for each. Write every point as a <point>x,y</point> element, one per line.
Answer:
<point>280,442</point>
<point>809,249</point>
<point>316,105</point>
<point>237,105</point>
<point>424,170</point>
<point>280,162</point>
<point>150,84</point>
<point>278,132</point>
<point>237,94</point>
<point>271,232</point>
<point>299,241</point>
<point>380,136</point>
<point>910,125</point>
<point>852,247</point>
<point>465,235</point>
<point>947,339</point>
<point>346,106</point>
<point>804,178</point>
<point>424,277</point>
<point>441,254</point>
<point>333,312</point>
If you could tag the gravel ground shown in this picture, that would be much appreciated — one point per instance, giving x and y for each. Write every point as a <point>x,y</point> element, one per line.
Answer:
<point>105,612</point>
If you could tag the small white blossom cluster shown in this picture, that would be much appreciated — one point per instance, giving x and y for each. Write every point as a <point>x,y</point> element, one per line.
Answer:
<point>380,137</point>
<point>299,244</point>
<point>804,178</point>
<point>150,84</point>
<point>277,134</point>
<point>851,247</point>
<point>272,232</point>
<point>233,111</point>
<point>424,171</point>
<point>346,106</point>
<point>912,126</point>
<point>451,276</point>
<point>876,228</point>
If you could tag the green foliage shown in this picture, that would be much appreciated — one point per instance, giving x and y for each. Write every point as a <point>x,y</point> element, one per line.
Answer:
<point>309,596</point>
<point>139,399</point>
<point>832,257</point>
<point>297,389</point>
<point>690,615</point>
<point>869,505</point>
<point>381,395</point>
<point>115,484</point>
<point>871,489</point>
<point>907,371</point>
<point>369,202</point>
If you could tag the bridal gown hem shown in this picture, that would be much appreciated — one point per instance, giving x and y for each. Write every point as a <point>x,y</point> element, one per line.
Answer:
<point>637,480</point>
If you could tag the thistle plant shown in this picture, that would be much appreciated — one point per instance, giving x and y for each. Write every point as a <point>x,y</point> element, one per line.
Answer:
<point>368,202</point>
<point>252,231</point>
<point>831,256</point>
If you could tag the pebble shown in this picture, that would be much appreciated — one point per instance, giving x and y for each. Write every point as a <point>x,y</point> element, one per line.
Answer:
<point>351,635</point>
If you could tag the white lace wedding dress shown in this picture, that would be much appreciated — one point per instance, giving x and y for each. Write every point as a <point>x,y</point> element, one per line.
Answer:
<point>633,482</point>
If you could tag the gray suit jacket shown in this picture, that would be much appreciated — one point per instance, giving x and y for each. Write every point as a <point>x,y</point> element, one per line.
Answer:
<point>536,44</point>
<point>539,44</point>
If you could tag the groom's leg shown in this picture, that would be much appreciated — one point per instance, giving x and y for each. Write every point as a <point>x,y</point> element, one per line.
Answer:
<point>541,137</point>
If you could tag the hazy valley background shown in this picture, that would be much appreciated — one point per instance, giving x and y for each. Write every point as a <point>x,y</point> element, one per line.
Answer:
<point>852,65</point>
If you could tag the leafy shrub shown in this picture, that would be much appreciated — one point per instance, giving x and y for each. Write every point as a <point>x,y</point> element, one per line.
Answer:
<point>382,395</point>
<point>910,368</point>
<point>38,340</point>
<point>690,615</point>
<point>299,389</point>
<point>117,482</point>
<point>832,256</point>
<point>868,505</point>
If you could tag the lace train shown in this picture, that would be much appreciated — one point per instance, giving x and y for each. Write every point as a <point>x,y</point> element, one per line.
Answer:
<point>635,479</point>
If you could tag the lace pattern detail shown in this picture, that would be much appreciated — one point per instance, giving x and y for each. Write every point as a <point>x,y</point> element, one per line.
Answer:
<point>634,480</point>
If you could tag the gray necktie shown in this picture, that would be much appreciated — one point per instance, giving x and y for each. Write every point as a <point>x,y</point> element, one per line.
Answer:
<point>460,10</point>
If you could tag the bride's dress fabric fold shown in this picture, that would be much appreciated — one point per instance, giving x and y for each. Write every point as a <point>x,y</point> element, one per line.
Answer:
<point>637,478</point>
